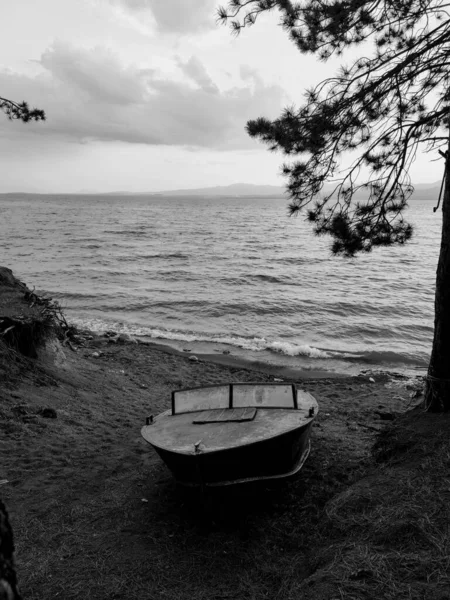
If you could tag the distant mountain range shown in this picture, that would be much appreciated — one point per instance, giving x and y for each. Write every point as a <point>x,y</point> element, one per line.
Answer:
<point>426,191</point>
<point>423,191</point>
<point>235,189</point>
<point>223,191</point>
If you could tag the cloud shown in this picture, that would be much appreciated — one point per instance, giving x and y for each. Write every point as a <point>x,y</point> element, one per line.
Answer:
<point>176,16</point>
<point>95,72</point>
<point>194,69</point>
<point>90,95</point>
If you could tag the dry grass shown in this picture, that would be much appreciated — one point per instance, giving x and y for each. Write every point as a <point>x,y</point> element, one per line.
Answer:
<point>389,533</point>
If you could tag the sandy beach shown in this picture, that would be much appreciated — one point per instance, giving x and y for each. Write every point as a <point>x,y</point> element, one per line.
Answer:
<point>97,515</point>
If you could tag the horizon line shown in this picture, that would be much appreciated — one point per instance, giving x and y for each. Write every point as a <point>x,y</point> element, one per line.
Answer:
<point>168,191</point>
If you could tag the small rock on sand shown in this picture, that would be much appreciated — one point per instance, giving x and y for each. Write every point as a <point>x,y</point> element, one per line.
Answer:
<point>48,413</point>
<point>193,358</point>
<point>123,338</point>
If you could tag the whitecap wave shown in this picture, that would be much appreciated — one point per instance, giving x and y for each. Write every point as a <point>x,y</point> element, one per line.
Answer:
<point>254,344</point>
<point>291,349</point>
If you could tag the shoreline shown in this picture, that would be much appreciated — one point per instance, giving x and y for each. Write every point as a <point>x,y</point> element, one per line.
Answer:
<point>329,363</point>
<point>232,361</point>
<point>286,353</point>
<point>277,366</point>
<point>104,346</point>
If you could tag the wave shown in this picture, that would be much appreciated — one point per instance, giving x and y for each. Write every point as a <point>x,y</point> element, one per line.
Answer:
<point>265,278</point>
<point>252,343</point>
<point>291,349</point>
<point>257,344</point>
<point>387,357</point>
<point>164,255</point>
<point>145,230</point>
<point>250,278</point>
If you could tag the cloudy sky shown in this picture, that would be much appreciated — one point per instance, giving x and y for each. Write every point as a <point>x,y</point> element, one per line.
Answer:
<point>144,95</point>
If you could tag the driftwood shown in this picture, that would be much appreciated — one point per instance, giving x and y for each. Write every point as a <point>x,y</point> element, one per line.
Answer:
<point>8,579</point>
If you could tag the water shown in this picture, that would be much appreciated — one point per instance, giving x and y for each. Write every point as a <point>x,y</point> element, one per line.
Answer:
<point>236,274</point>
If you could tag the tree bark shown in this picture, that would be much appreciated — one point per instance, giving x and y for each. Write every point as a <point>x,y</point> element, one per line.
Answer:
<point>8,580</point>
<point>437,390</point>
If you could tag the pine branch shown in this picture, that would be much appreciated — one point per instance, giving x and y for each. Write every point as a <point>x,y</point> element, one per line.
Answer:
<point>20,111</point>
<point>381,109</point>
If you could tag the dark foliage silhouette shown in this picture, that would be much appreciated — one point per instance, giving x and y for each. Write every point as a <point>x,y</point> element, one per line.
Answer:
<point>20,111</point>
<point>360,131</point>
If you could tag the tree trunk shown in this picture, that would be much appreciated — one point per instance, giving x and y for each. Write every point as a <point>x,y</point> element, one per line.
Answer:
<point>8,581</point>
<point>437,391</point>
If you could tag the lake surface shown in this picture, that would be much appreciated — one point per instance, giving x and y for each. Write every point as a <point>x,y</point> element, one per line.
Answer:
<point>234,274</point>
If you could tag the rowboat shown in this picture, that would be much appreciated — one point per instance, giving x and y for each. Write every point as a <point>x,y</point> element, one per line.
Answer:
<point>233,433</point>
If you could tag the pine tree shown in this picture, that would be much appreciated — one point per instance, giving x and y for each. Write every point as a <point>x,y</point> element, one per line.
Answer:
<point>383,110</point>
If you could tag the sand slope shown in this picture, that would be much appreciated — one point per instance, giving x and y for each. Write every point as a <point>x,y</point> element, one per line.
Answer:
<point>96,514</point>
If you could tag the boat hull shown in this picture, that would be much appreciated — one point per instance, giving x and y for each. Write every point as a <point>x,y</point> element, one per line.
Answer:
<point>275,458</point>
<point>233,433</point>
